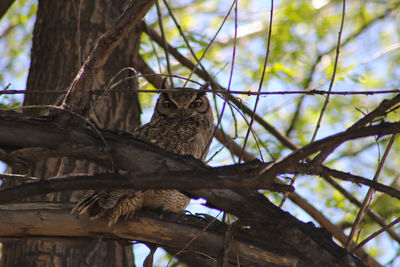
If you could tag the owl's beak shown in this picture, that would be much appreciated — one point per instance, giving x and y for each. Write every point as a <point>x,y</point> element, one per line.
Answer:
<point>184,113</point>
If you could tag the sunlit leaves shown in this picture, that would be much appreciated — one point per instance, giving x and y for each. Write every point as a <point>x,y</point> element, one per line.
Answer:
<point>15,41</point>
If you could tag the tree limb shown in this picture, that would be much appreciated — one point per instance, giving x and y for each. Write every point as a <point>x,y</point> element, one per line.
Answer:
<point>54,220</point>
<point>303,153</point>
<point>77,99</point>
<point>230,177</point>
<point>237,177</point>
<point>380,111</point>
<point>4,6</point>
<point>323,171</point>
<point>207,77</point>
<point>122,149</point>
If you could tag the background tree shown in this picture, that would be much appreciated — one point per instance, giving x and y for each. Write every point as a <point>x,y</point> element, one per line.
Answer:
<point>303,64</point>
<point>64,34</point>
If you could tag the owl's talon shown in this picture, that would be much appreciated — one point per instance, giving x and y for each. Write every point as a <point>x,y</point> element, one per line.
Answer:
<point>182,123</point>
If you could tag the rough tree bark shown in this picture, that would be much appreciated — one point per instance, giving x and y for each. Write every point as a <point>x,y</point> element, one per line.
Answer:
<point>64,34</point>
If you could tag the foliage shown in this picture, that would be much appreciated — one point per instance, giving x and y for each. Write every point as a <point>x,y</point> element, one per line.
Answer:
<point>15,41</point>
<point>304,33</point>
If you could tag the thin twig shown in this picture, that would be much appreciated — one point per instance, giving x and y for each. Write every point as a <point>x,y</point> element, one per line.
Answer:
<point>193,239</point>
<point>261,80</point>
<point>371,213</point>
<point>351,37</point>
<point>155,53</point>
<point>222,260</point>
<point>333,74</point>
<point>6,88</point>
<point>327,96</point>
<point>220,91</point>
<point>22,177</point>
<point>369,238</point>
<point>160,25</point>
<point>369,195</point>
<point>230,77</point>
<point>182,34</point>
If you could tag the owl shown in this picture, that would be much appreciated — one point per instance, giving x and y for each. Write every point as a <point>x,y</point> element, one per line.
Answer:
<point>182,123</point>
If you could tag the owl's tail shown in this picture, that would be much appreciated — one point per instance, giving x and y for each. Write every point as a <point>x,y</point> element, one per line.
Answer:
<point>110,204</point>
<point>89,204</point>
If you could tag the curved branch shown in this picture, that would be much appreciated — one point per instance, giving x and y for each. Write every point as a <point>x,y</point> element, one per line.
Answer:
<point>229,177</point>
<point>54,220</point>
<point>207,77</point>
<point>78,97</point>
<point>124,149</point>
<point>4,6</point>
<point>327,143</point>
<point>323,171</point>
<point>381,110</point>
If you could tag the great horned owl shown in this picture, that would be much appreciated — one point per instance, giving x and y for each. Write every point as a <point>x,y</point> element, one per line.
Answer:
<point>182,123</point>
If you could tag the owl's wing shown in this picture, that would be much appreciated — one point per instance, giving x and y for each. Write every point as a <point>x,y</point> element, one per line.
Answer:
<point>111,204</point>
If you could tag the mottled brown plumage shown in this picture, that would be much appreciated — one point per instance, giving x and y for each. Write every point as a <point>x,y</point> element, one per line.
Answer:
<point>182,123</point>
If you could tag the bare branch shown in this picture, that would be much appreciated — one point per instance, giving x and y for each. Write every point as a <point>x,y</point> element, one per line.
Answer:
<point>261,80</point>
<point>78,98</point>
<point>233,92</point>
<point>384,128</point>
<point>369,195</point>
<point>207,77</point>
<point>333,73</point>
<point>4,6</point>
<point>380,231</point>
<point>380,111</point>
<point>228,177</point>
<point>54,220</point>
<point>47,140</point>
<point>313,168</point>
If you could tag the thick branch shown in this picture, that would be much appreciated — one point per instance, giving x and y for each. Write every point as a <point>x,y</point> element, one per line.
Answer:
<point>323,171</point>
<point>384,128</point>
<point>54,220</point>
<point>229,177</point>
<point>4,6</point>
<point>380,111</point>
<point>20,133</point>
<point>237,177</point>
<point>122,149</point>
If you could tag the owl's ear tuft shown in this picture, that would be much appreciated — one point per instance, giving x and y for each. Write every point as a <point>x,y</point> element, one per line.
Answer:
<point>203,89</point>
<point>164,83</point>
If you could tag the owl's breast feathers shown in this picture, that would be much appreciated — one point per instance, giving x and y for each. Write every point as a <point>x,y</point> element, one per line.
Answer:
<point>185,137</point>
<point>188,136</point>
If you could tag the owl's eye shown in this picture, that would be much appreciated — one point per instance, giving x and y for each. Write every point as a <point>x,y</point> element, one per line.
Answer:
<point>168,104</point>
<point>196,104</point>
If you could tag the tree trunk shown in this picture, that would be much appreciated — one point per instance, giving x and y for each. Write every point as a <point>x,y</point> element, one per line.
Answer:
<point>64,34</point>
